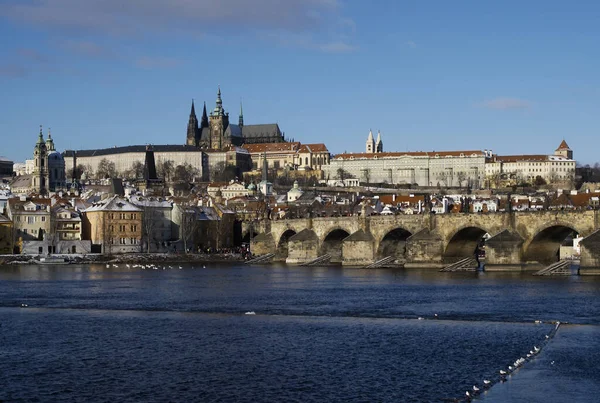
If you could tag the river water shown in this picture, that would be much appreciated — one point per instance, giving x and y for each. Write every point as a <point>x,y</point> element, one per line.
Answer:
<point>321,334</point>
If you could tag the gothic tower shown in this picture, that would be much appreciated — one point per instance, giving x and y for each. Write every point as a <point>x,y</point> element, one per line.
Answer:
<point>378,143</point>
<point>219,120</point>
<point>40,170</point>
<point>192,128</point>
<point>370,143</point>
<point>241,119</point>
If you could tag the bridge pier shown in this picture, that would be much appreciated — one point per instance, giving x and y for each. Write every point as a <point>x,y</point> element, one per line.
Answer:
<point>590,255</point>
<point>303,247</point>
<point>503,252</point>
<point>262,244</point>
<point>424,250</point>
<point>358,249</point>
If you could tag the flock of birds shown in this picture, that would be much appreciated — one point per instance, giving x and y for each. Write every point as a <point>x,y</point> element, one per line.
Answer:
<point>151,266</point>
<point>519,362</point>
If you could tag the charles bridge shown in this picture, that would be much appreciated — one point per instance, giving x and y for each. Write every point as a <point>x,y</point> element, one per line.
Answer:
<point>519,240</point>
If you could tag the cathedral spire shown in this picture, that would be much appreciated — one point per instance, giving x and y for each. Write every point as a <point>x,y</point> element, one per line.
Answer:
<point>241,120</point>
<point>378,143</point>
<point>192,128</point>
<point>193,111</point>
<point>219,111</point>
<point>204,121</point>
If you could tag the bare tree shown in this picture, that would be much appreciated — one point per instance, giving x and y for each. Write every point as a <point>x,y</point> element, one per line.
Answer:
<point>149,218</point>
<point>106,169</point>
<point>184,173</point>
<point>442,179</point>
<point>188,225</point>
<point>165,170</point>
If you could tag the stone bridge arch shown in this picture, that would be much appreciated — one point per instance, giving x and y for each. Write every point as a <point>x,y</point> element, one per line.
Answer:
<point>332,244</point>
<point>463,241</point>
<point>544,243</point>
<point>281,252</point>
<point>279,227</point>
<point>393,243</point>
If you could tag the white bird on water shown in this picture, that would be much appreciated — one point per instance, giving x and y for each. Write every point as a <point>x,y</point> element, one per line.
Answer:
<point>107,266</point>
<point>250,313</point>
<point>475,388</point>
<point>503,372</point>
<point>486,382</point>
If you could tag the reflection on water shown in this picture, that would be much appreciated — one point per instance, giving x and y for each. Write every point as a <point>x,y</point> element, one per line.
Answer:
<point>320,334</point>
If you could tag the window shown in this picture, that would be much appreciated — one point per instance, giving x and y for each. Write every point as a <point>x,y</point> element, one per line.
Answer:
<point>133,228</point>
<point>30,220</point>
<point>43,219</point>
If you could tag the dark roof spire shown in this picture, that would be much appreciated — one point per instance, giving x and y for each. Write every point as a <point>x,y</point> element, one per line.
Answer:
<point>241,120</point>
<point>204,120</point>
<point>193,111</point>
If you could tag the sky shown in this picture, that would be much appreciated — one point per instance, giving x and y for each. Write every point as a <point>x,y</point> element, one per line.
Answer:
<point>516,77</point>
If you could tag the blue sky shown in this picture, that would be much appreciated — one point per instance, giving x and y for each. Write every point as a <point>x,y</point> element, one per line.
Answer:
<point>512,76</point>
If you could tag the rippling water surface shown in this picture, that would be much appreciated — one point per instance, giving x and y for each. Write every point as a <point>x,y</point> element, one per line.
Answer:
<point>88,333</point>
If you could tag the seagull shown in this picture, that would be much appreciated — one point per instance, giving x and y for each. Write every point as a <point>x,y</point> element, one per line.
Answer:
<point>436,315</point>
<point>107,266</point>
<point>250,313</point>
<point>547,337</point>
<point>25,306</point>
<point>538,321</point>
<point>503,372</point>
<point>420,318</point>
<point>536,349</point>
<point>486,382</point>
<point>114,265</point>
<point>180,267</point>
<point>475,388</point>
<point>510,368</point>
<point>128,266</point>
<point>552,363</point>
<point>468,394</point>
<point>203,266</point>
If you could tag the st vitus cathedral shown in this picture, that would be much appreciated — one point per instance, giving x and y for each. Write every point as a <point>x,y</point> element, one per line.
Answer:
<point>215,132</point>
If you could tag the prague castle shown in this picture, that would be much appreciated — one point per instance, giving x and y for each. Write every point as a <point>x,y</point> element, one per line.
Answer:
<point>216,132</point>
<point>209,143</point>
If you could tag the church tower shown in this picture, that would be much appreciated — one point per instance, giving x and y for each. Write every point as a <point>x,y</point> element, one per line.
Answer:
<point>40,170</point>
<point>563,150</point>
<point>370,143</point>
<point>219,120</point>
<point>241,119</point>
<point>378,143</point>
<point>192,128</point>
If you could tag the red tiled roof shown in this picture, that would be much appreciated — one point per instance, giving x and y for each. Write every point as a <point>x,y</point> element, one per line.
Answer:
<point>313,148</point>
<point>430,154</point>
<point>563,146</point>
<point>272,147</point>
<point>517,158</point>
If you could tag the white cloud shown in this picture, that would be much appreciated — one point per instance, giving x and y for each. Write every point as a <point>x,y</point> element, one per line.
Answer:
<point>149,17</point>
<point>505,103</point>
